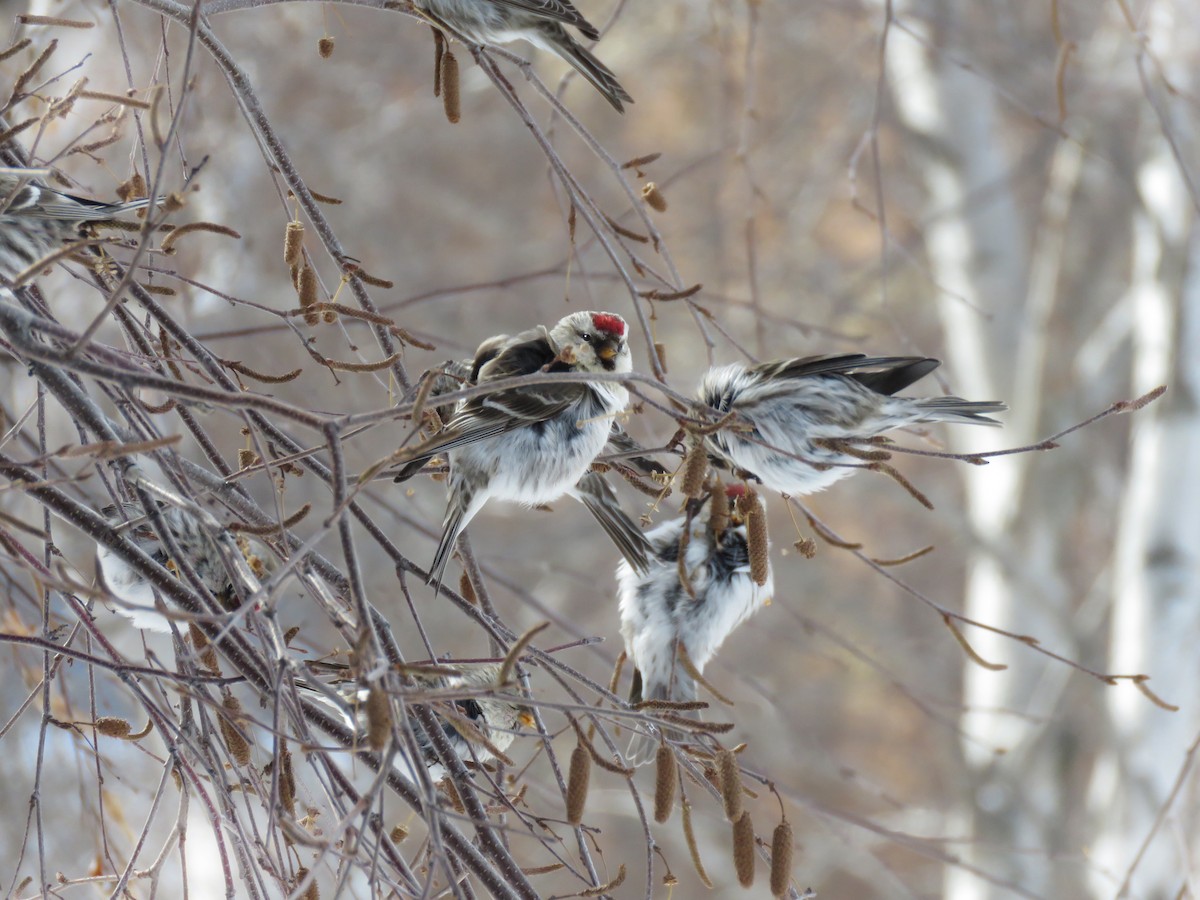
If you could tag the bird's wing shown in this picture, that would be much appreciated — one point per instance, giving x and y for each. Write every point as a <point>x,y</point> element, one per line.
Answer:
<point>898,374</point>
<point>495,414</point>
<point>882,374</point>
<point>555,10</point>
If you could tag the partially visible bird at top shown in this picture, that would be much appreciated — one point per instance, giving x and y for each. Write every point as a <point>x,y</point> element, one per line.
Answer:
<point>542,23</point>
<point>532,444</point>
<point>36,220</point>
<point>794,412</point>
<point>216,555</point>
<point>659,614</point>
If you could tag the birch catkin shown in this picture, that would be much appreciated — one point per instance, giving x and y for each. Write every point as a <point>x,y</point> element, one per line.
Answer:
<point>743,850</point>
<point>781,858</point>
<point>666,779</point>
<point>239,747</point>
<point>730,783</point>
<point>379,718</point>
<point>756,537</point>
<point>577,783</point>
<point>695,467</point>
<point>450,98</point>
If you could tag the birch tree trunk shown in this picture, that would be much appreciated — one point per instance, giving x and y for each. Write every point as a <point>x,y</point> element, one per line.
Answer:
<point>1145,789</point>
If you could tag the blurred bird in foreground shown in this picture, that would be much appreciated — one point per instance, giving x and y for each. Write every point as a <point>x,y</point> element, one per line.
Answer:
<point>793,418</point>
<point>474,722</point>
<point>36,220</point>
<point>223,561</point>
<point>539,22</point>
<point>661,613</point>
<point>532,444</point>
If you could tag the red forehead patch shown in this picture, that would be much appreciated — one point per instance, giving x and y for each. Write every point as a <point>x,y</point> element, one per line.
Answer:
<point>734,491</point>
<point>608,322</point>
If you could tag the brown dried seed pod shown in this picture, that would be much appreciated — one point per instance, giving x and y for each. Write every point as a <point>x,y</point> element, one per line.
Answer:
<point>653,197</point>
<point>325,47</point>
<point>756,536</point>
<point>695,467</point>
<point>689,835</point>
<point>450,98</point>
<point>666,779</point>
<point>247,458</point>
<point>602,889</point>
<point>206,651</point>
<point>743,850</point>
<point>398,834</point>
<point>468,590</point>
<point>379,717</point>
<point>718,512</point>
<point>290,635</point>
<point>806,547</point>
<point>660,350</point>
<point>448,787</point>
<point>312,892</point>
<point>781,858</point>
<point>239,747</point>
<point>293,243</point>
<point>329,317</point>
<point>133,189</point>
<point>287,780</point>
<point>113,726</point>
<point>729,780</point>
<point>577,783</point>
<point>306,287</point>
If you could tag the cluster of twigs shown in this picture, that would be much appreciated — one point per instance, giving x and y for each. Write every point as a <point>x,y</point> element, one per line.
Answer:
<point>292,799</point>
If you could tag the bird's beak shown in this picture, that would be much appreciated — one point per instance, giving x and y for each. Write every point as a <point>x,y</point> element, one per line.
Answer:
<point>525,717</point>
<point>607,351</point>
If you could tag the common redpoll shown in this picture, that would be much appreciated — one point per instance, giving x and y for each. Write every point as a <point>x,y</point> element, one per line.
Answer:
<point>533,444</point>
<point>540,22</point>
<point>222,561</point>
<point>472,718</point>
<point>36,220</point>
<point>659,614</point>
<point>794,413</point>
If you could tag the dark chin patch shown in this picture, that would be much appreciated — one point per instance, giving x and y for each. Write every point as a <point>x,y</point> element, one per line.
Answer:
<point>609,364</point>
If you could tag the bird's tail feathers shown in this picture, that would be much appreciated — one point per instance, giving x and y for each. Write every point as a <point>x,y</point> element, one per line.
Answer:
<point>598,496</point>
<point>956,409</point>
<point>643,746</point>
<point>586,64</point>
<point>78,209</point>
<point>452,527</point>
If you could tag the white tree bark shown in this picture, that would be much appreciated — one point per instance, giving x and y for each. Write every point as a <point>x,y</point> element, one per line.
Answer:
<point>995,298</point>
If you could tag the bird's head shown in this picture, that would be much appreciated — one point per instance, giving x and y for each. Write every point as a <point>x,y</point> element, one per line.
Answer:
<point>597,341</point>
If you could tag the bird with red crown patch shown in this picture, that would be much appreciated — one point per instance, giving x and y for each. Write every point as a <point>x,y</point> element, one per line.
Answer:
<point>534,443</point>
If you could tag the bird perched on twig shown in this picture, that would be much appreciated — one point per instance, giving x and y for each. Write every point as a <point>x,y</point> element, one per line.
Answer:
<point>533,443</point>
<point>474,721</point>
<point>539,22</point>
<point>695,605</point>
<point>36,220</point>
<point>794,419</point>
<point>224,562</point>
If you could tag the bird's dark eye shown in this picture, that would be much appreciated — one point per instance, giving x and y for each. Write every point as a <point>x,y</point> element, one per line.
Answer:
<point>587,338</point>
